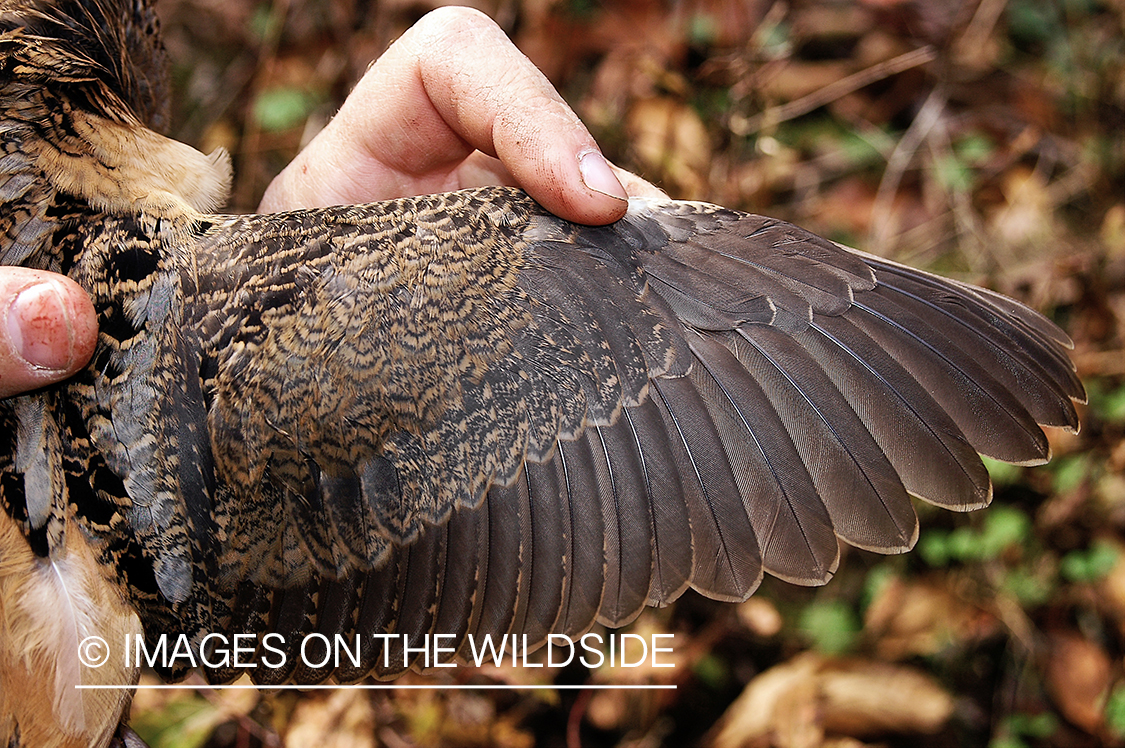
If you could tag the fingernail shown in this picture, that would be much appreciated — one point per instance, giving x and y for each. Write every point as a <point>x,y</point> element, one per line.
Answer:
<point>39,327</point>
<point>597,175</point>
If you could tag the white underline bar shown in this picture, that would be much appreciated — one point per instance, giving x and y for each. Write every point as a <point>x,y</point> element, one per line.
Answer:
<point>381,687</point>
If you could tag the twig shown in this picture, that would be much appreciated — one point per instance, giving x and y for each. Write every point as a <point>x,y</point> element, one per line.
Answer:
<point>981,26</point>
<point>574,720</point>
<point>967,222</point>
<point>838,89</point>
<point>928,116</point>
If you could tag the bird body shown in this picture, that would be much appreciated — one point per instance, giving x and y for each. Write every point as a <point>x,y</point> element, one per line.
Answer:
<point>453,413</point>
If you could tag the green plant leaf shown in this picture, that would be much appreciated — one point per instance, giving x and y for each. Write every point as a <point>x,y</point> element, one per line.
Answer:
<point>831,625</point>
<point>282,108</point>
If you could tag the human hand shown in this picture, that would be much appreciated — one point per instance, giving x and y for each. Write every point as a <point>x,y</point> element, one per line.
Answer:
<point>453,104</point>
<point>48,329</point>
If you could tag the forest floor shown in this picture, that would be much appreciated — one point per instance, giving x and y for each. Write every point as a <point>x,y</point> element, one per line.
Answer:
<point>983,140</point>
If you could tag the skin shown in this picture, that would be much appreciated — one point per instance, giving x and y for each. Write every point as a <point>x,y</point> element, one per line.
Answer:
<point>452,104</point>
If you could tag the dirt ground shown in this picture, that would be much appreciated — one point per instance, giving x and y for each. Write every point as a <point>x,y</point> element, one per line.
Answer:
<point>984,140</point>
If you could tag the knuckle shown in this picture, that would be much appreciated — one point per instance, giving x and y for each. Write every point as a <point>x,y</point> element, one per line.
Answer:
<point>451,23</point>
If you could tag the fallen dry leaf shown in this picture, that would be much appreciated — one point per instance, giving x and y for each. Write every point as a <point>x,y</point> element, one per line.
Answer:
<point>804,701</point>
<point>343,718</point>
<point>760,616</point>
<point>1078,679</point>
<point>798,79</point>
<point>1026,217</point>
<point>919,618</point>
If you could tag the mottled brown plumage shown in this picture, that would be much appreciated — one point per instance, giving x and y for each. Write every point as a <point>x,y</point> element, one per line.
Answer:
<point>457,413</point>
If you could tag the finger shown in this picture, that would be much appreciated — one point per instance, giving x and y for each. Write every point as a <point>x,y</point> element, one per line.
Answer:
<point>453,84</point>
<point>48,329</point>
<point>501,104</point>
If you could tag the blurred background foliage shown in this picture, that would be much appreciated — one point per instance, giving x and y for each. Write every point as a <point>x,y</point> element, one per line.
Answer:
<point>981,139</point>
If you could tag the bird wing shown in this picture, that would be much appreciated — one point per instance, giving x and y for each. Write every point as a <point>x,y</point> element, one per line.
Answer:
<point>459,414</point>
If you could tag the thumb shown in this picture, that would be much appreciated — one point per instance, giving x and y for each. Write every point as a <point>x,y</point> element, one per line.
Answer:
<point>48,329</point>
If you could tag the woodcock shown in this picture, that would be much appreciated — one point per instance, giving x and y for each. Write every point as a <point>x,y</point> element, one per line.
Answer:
<point>451,414</point>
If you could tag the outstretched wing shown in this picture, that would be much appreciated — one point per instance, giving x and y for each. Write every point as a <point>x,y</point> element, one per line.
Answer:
<point>459,414</point>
